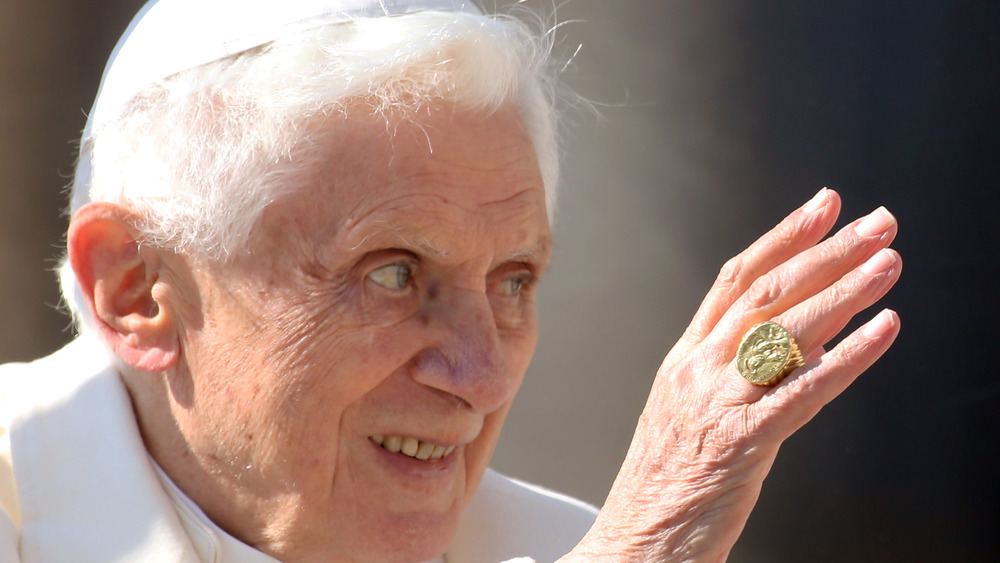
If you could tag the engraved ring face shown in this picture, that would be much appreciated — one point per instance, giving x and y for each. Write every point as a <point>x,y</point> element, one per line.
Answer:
<point>767,354</point>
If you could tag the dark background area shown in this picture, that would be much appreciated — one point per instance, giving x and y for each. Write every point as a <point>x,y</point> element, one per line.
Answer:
<point>717,119</point>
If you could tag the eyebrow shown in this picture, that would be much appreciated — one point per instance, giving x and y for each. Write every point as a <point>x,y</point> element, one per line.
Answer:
<point>541,252</point>
<point>406,238</point>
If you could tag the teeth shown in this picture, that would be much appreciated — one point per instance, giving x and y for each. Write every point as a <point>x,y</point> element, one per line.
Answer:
<point>424,451</point>
<point>410,446</point>
<point>392,443</point>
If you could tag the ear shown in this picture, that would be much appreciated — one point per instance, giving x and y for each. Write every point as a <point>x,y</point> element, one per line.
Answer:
<point>117,281</point>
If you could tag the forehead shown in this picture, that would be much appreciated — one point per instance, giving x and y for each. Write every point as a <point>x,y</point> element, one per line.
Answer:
<point>444,174</point>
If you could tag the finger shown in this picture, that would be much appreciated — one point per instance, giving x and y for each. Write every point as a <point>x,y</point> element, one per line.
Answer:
<point>802,229</point>
<point>793,403</point>
<point>817,320</point>
<point>814,322</point>
<point>807,274</point>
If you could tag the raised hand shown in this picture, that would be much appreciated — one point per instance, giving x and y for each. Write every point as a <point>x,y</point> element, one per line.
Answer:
<point>707,437</point>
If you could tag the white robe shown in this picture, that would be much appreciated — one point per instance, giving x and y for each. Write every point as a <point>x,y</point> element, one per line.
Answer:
<point>76,483</point>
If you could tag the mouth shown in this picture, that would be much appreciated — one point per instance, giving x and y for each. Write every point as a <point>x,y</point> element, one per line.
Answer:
<point>412,447</point>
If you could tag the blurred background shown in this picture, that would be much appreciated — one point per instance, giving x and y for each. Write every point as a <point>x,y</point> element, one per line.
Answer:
<point>716,119</point>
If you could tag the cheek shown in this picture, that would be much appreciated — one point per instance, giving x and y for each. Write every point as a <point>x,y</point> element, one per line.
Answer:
<point>323,359</point>
<point>274,377</point>
<point>338,325</point>
<point>479,453</point>
<point>519,347</point>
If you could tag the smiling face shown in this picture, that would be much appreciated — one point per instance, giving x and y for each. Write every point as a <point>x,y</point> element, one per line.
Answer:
<point>388,304</point>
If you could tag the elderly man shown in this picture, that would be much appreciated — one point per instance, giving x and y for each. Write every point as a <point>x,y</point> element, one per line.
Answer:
<point>304,250</point>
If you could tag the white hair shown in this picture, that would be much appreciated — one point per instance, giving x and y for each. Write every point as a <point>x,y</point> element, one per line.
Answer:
<point>198,156</point>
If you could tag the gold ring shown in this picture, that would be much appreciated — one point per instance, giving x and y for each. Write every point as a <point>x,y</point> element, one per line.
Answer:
<point>767,354</point>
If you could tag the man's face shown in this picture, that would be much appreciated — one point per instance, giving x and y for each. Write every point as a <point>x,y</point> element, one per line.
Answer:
<point>389,300</point>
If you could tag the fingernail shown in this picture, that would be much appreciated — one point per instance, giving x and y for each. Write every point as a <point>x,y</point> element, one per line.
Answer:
<point>879,325</point>
<point>876,223</point>
<point>817,202</point>
<point>880,262</point>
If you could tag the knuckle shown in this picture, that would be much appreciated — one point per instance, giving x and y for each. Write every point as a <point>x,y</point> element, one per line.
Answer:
<point>790,229</point>
<point>784,235</point>
<point>834,250</point>
<point>763,293</point>
<point>840,293</point>
<point>839,298</point>
<point>730,272</point>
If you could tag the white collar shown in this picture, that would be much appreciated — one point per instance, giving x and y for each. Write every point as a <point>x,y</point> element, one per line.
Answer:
<point>211,542</point>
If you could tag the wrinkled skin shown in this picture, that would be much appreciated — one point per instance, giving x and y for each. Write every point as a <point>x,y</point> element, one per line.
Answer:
<point>393,293</point>
<point>707,438</point>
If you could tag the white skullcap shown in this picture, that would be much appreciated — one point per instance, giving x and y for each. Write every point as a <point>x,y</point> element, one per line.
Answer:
<point>169,36</point>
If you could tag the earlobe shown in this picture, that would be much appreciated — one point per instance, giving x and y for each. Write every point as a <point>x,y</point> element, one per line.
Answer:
<point>117,280</point>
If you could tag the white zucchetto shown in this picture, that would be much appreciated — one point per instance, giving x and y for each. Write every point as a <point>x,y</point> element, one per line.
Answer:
<point>170,36</point>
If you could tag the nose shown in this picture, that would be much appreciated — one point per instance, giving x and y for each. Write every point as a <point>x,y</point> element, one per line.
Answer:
<point>464,357</point>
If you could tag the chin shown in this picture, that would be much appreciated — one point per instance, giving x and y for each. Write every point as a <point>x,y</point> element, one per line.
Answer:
<point>408,538</point>
<point>425,546</point>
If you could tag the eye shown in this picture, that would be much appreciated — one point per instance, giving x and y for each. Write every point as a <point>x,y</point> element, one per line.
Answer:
<point>393,276</point>
<point>512,286</point>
